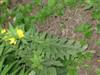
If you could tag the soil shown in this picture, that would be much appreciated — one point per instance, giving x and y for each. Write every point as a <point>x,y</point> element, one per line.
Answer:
<point>64,26</point>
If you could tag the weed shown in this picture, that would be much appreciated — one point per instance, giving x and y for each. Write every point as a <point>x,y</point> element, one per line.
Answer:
<point>98,28</point>
<point>98,42</point>
<point>98,71</point>
<point>86,29</point>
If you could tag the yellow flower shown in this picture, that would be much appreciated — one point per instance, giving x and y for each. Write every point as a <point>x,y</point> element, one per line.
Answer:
<point>98,60</point>
<point>20,33</point>
<point>12,40</point>
<point>3,31</point>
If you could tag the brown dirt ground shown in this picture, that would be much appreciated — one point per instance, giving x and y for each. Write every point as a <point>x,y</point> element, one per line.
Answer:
<point>64,26</point>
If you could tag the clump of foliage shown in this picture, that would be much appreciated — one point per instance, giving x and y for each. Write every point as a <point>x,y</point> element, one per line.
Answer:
<point>86,29</point>
<point>24,51</point>
<point>98,32</point>
<point>70,2</point>
<point>98,28</point>
<point>98,42</point>
<point>98,71</point>
<point>54,7</point>
<point>96,9</point>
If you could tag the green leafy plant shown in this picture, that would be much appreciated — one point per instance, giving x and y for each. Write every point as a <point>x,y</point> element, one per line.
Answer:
<point>48,10</point>
<point>37,2</point>
<point>55,8</point>
<point>98,42</point>
<point>86,29</point>
<point>83,42</point>
<point>96,15</point>
<point>70,2</point>
<point>8,62</point>
<point>98,71</point>
<point>96,10</point>
<point>98,28</point>
<point>98,32</point>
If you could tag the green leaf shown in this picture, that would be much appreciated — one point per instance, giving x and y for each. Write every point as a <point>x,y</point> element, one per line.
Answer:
<point>72,71</point>
<point>54,63</point>
<point>1,63</point>
<point>32,72</point>
<point>37,2</point>
<point>96,15</point>
<point>98,28</point>
<point>98,71</point>
<point>88,33</point>
<point>51,71</point>
<point>16,70</point>
<point>83,42</point>
<point>70,2</point>
<point>61,71</point>
<point>7,68</point>
<point>98,42</point>
<point>48,71</point>
<point>51,3</point>
<point>86,29</point>
<point>90,2</point>
<point>1,49</point>
<point>22,72</point>
<point>11,31</point>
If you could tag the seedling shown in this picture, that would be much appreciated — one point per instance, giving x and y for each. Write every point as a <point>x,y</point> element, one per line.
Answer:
<point>96,15</point>
<point>98,71</point>
<point>85,29</point>
<point>98,42</point>
<point>98,28</point>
